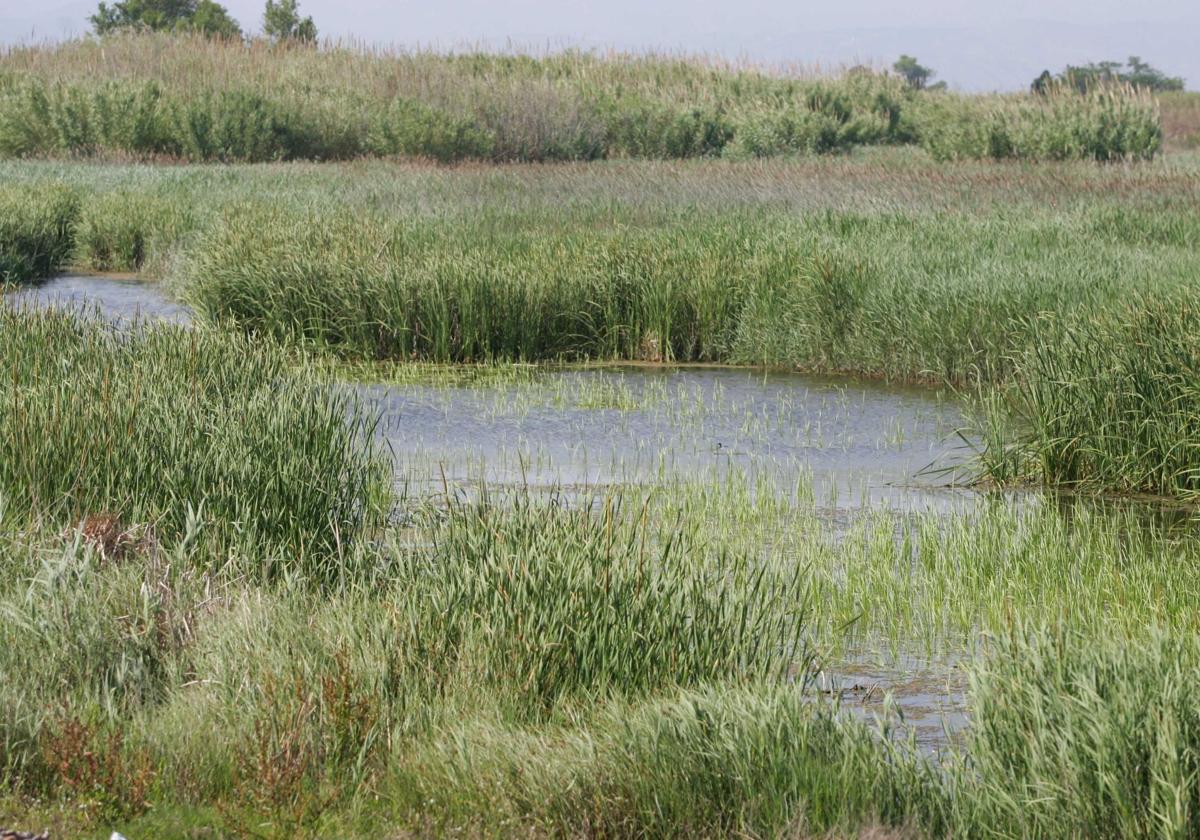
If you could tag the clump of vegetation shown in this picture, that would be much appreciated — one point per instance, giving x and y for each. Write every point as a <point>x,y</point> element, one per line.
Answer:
<point>202,16</point>
<point>916,74</point>
<point>188,102</point>
<point>282,23</point>
<point>1104,123</point>
<point>522,664</point>
<point>1107,403</point>
<point>36,231</point>
<point>1106,73</point>
<point>1079,736</point>
<point>160,425</point>
<point>128,230</point>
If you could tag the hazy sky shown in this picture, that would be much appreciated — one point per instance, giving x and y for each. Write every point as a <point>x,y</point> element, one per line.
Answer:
<point>973,45</point>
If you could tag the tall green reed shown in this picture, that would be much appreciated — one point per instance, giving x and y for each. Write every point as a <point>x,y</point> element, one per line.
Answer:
<point>36,231</point>
<point>147,423</point>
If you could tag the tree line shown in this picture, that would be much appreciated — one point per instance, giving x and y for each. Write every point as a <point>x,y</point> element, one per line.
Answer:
<point>281,19</point>
<point>1083,77</point>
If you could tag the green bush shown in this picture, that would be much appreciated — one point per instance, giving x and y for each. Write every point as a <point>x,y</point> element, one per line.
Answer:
<point>39,118</point>
<point>650,130</point>
<point>242,125</point>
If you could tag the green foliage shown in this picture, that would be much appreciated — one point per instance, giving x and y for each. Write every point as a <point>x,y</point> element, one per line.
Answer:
<point>282,22</point>
<point>1085,737</point>
<point>559,605</point>
<point>754,761</point>
<point>127,230</point>
<point>153,424</point>
<point>242,125</point>
<point>37,118</point>
<point>651,130</point>
<point>370,289</point>
<point>194,98</point>
<point>914,74</point>
<point>1103,124</point>
<point>1088,77</point>
<point>414,130</point>
<point>206,17</point>
<point>1108,403</point>
<point>35,231</point>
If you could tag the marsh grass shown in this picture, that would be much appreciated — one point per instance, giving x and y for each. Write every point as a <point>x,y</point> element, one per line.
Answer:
<point>517,665</point>
<point>36,233</point>
<point>933,298</point>
<point>286,701</point>
<point>1080,736</point>
<point>156,424</point>
<point>1106,403</point>
<point>911,272</point>
<point>130,231</point>
<point>1105,124</point>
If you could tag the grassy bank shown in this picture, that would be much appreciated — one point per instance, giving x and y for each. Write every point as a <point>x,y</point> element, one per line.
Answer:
<point>202,99</point>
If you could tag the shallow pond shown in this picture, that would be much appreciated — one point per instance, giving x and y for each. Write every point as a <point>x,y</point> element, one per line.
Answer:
<point>120,299</point>
<point>838,446</point>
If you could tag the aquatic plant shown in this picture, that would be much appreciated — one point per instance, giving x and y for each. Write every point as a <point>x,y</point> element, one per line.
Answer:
<point>159,424</point>
<point>1105,403</point>
<point>35,231</point>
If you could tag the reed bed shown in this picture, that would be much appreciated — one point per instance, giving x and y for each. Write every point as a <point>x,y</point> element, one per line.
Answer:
<point>898,297</point>
<point>200,99</point>
<point>36,232</point>
<point>1181,121</point>
<point>899,268</point>
<point>152,427</point>
<point>524,615</point>
<point>1086,737</point>
<point>1107,403</point>
<point>1104,124</point>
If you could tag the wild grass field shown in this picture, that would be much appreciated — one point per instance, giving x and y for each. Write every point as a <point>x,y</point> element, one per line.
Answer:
<point>226,611</point>
<point>208,99</point>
